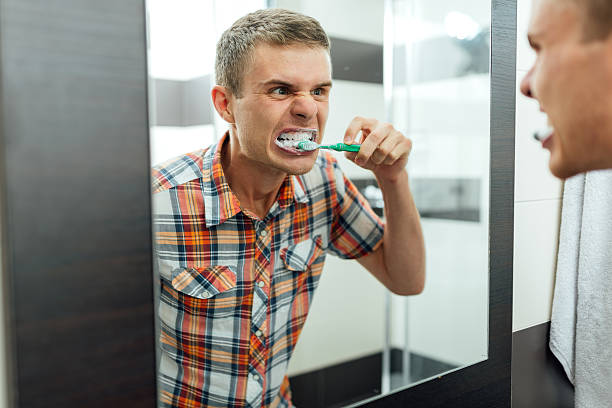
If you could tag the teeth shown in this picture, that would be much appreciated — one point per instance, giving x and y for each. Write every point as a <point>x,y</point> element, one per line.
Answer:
<point>292,139</point>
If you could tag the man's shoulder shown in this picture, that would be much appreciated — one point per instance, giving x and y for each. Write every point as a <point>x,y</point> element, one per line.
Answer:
<point>177,171</point>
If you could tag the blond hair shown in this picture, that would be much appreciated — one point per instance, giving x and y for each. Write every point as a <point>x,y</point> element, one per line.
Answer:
<point>270,26</point>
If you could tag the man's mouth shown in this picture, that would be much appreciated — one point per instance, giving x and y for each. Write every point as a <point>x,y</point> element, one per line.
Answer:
<point>545,136</point>
<point>288,139</point>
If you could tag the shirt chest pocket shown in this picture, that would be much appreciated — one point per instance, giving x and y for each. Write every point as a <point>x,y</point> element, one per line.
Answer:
<point>204,282</point>
<point>303,255</point>
<point>208,291</point>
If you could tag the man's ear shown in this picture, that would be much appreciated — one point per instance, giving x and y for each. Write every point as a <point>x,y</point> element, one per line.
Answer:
<point>221,100</point>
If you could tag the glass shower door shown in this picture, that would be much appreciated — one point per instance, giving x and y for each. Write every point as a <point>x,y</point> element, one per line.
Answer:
<point>437,87</point>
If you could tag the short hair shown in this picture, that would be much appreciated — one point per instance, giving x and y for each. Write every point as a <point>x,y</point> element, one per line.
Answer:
<point>597,18</point>
<point>269,26</point>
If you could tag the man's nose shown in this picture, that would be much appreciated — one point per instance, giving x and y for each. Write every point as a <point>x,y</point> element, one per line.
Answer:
<point>526,84</point>
<point>304,105</point>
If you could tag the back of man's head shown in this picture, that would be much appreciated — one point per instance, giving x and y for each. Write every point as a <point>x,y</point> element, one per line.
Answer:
<point>270,26</point>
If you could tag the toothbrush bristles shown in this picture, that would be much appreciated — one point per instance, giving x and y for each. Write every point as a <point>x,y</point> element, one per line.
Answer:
<point>541,135</point>
<point>307,145</point>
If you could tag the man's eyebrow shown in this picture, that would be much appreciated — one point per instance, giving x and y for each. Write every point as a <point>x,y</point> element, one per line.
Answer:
<point>324,84</point>
<point>289,85</point>
<point>276,82</point>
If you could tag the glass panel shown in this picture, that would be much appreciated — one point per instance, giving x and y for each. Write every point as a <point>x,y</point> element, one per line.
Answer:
<point>438,92</point>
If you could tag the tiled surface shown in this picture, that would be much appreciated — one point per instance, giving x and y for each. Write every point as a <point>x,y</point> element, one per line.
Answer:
<point>533,180</point>
<point>536,233</point>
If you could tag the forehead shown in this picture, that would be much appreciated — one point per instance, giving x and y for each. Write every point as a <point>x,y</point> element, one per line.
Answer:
<point>295,64</point>
<point>552,17</point>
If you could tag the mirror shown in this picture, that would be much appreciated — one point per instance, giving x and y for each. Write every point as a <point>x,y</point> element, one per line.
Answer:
<point>424,67</point>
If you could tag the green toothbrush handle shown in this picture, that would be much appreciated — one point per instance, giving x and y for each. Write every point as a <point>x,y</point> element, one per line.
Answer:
<point>342,147</point>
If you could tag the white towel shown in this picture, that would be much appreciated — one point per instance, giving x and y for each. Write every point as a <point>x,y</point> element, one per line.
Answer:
<point>563,320</point>
<point>581,326</point>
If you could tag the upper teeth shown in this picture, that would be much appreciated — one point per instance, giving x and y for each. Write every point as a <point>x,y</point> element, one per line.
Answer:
<point>294,138</point>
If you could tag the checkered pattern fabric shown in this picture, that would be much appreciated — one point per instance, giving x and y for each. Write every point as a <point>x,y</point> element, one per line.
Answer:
<point>236,289</point>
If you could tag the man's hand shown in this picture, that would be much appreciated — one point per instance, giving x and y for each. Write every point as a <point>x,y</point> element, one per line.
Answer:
<point>399,263</point>
<point>384,150</point>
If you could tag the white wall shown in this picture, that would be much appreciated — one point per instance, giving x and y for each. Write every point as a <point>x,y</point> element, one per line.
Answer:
<point>537,202</point>
<point>168,141</point>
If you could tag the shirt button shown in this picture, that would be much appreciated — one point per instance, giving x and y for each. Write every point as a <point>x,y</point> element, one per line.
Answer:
<point>258,333</point>
<point>254,377</point>
<point>261,284</point>
<point>264,233</point>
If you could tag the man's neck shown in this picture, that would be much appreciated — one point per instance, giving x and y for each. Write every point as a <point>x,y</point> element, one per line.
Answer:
<point>255,185</point>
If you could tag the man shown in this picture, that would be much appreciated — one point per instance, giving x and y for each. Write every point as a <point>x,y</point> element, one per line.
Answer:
<point>572,80</point>
<point>242,228</point>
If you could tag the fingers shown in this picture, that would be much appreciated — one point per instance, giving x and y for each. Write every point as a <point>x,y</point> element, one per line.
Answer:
<point>378,144</point>
<point>381,143</point>
<point>358,124</point>
<point>386,152</point>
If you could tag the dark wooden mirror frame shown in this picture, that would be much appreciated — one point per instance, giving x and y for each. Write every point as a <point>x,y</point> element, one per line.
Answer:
<point>75,211</point>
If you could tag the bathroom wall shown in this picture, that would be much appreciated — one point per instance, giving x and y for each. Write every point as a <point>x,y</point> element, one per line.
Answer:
<point>537,201</point>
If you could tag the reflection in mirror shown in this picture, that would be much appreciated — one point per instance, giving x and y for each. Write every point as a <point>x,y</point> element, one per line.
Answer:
<point>438,88</point>
<point>359,340</point>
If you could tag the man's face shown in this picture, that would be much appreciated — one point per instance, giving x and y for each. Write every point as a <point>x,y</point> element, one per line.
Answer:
<point>285,98</point>
<point>572,80</point>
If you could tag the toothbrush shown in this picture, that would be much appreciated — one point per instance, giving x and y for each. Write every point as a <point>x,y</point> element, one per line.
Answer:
<point>339,147</point>
<point>542,135</point>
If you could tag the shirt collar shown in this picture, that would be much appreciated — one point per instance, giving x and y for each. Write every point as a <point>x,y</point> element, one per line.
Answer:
<point>220,203</point>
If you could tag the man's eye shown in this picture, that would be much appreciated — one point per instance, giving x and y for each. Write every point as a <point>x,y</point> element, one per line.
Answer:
<point>281,90</point>
<point>317,92</point>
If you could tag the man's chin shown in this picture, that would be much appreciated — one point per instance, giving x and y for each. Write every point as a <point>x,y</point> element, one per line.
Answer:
<point>298,171</point>
<point>298,167</point>
<point>563,169</point>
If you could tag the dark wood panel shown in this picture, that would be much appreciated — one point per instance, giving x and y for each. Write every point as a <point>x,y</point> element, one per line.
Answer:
<point>487,384</point>
<point>75,172</point>
<point>538,379</point>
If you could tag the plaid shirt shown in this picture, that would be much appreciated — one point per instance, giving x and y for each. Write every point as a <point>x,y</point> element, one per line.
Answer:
<point>236,289</point>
